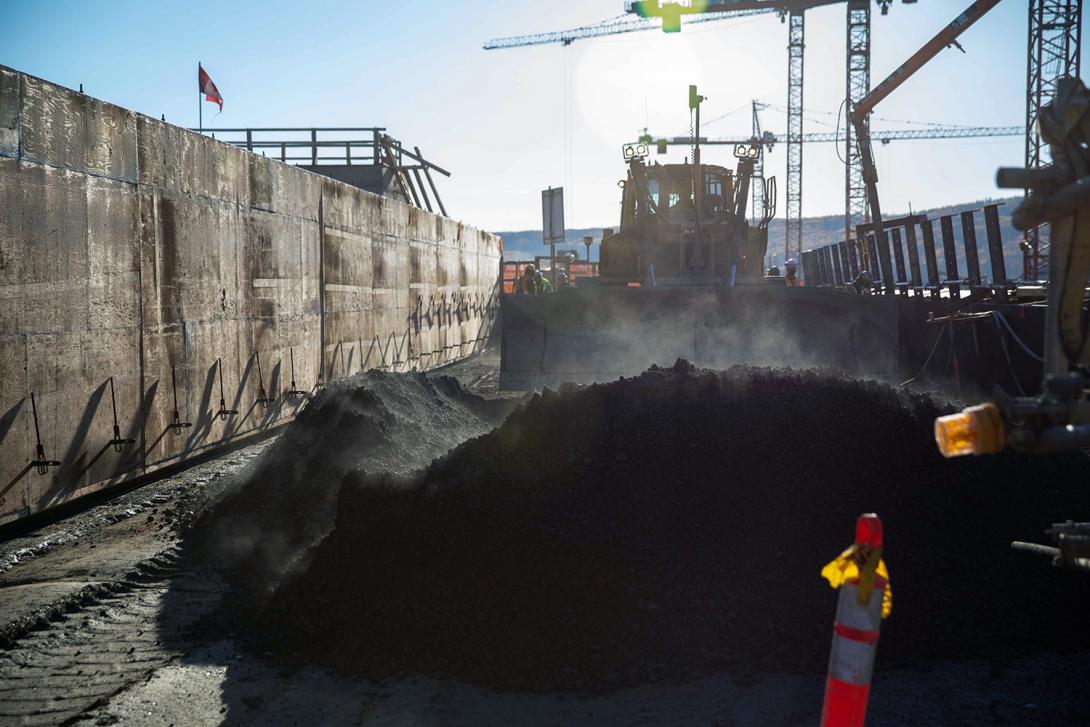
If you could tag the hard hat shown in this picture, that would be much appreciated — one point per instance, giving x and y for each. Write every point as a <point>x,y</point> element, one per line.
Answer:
<point>530,269</point>
<point>791,263</point>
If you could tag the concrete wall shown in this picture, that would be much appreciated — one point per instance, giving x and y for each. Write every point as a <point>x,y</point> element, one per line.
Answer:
<point>130,247</point>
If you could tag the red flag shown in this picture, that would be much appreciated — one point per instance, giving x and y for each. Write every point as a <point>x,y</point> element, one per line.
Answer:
<point>205,86</point>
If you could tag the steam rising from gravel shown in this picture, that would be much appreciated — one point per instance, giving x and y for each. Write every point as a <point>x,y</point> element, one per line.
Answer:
<point>374,422</point>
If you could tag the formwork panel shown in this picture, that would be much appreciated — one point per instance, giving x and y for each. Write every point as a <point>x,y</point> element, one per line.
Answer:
<point>423,270</point>
<point>43,246</point>
<point>188,163</point>
<point>347,208</point>
<point>16,450</point>
<point>190,252</point>
<point>203,345</point>
<point>66,129</point>
<point>197,248</point>
<point>282,188</point>
<point>348,299</point>
<point>10,94</point>
<point>113,267</point>
<point>426,229</point>
<point>394,216</point>
<point>275,282</point>
<point>417,225</point>
<point>390,290</point>
<point>70,377</point>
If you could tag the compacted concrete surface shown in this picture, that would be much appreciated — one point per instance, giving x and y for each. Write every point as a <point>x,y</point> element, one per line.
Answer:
<point>107,619</point>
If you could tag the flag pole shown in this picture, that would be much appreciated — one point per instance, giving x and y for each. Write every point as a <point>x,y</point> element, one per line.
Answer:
<point>200,108</point>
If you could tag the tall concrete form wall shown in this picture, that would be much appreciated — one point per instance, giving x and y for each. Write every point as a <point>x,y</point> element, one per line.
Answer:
<point>130,248</point>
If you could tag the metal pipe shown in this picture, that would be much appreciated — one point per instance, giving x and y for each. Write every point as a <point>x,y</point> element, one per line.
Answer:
<point>1036,549</point>
<point>944,39</point>
<point>1064,201</point>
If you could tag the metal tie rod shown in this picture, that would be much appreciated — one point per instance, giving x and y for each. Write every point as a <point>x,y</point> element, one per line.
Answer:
<point>224,412</point>
<point>176,424</point>
<point>40,461</point>
<point>118,442</point>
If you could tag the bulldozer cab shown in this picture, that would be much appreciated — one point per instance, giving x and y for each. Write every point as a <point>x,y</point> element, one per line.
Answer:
<point>682,226</point>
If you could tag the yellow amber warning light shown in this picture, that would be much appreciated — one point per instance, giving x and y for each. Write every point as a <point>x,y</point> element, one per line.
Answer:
<point>976,430</point>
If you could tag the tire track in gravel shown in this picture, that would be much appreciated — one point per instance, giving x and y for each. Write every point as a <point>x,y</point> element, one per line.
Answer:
<point>91,651</point>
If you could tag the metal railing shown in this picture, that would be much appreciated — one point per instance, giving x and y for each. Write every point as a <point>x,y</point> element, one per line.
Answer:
<point>337,146</point>
<point>841,264</point>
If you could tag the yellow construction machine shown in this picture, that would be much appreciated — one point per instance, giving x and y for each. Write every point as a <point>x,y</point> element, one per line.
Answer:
<point>683,277</point>
<point>685,224</point>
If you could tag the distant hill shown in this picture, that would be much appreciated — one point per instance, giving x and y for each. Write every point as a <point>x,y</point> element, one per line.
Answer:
<point>817,232</point>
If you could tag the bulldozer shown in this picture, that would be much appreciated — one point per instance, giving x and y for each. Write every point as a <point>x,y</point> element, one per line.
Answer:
<point>684,277</point>
<point>663,241</point>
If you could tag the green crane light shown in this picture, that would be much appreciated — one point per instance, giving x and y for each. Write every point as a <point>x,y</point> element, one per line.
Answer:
<point>669,10</point>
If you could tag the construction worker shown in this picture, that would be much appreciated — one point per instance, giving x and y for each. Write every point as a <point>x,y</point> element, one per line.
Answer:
<point>563,282</point>
<point>791,276</point>
<point>862,283</point>
<point>526,283</point>
<point>533,282</point>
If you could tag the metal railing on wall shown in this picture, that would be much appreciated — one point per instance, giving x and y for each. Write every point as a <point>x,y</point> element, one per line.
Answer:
<point>343,146</point>
<point>861,263</point>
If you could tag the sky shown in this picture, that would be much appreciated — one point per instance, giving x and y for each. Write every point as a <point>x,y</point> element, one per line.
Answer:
<point>509,123</point>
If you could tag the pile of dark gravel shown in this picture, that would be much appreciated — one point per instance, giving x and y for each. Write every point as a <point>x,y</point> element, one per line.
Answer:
<point>286,501</point>
<point>674,524</point>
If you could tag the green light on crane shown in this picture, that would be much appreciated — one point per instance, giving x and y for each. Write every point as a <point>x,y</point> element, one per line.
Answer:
<point>670,12</point>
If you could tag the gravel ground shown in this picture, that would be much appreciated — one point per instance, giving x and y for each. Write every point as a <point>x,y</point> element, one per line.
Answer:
<point>106,620</point>
<point>215,684</point>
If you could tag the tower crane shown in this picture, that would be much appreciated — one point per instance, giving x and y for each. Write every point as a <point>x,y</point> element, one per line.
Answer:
<point>858,118</point>
<point>1054,52</point>
<point>672,17</point>
<point>769,139</point>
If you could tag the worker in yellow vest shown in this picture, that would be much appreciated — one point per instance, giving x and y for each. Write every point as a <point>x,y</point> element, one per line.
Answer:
<point>791,276</point>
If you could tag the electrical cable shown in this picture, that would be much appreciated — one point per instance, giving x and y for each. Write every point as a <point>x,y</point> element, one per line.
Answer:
<point>723,116</point>
<point>837,145</point>
<point>933,349</point>
<point>1007,356</point>
<point>940,124</point>
<point>1019,341</point>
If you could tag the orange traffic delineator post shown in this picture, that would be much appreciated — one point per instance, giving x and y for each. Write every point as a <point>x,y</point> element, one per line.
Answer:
<point>865,599</point>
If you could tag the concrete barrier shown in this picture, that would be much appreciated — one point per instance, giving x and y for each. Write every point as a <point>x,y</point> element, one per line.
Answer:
<point>130,247</point>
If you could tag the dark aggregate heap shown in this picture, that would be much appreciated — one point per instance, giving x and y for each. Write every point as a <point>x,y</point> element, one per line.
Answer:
<point>675,524</point>
<point>383,422</point>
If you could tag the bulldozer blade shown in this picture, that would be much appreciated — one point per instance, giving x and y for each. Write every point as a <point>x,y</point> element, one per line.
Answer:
<point>600,333</point>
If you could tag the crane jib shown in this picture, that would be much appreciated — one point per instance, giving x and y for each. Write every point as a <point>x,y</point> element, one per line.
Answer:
<point>920,58</point>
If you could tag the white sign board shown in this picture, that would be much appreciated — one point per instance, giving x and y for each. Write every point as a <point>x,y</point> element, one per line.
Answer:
<point>552,215</point>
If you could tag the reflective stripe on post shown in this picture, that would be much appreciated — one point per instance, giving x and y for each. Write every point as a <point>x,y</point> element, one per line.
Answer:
<point>851,659</point>
<point>855,636</point>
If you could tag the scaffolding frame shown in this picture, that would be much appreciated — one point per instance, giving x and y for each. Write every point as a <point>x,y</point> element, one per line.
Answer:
<point>1055,40</point>
<point>856,208</point>
<point>795,50</point>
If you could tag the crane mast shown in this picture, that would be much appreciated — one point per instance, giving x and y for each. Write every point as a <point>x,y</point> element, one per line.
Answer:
<point>945,38</point>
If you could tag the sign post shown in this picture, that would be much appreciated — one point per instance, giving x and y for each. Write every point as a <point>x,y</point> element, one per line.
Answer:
<point>552,224</point>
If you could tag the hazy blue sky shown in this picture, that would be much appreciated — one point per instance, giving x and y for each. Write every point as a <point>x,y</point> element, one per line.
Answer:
<point>509,123</point>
